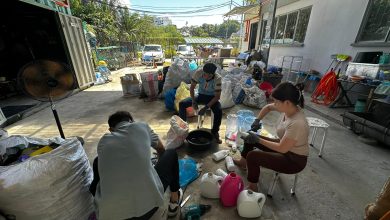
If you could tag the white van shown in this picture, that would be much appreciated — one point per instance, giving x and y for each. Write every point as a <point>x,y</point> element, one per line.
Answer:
<point>185,50</point>
<point>153,51</point>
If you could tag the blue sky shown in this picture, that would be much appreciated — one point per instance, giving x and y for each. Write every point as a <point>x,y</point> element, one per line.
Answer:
<point>214,16</point>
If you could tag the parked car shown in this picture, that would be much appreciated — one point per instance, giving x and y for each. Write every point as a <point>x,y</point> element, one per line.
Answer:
<point>185,50</point>
<point>153,51</point>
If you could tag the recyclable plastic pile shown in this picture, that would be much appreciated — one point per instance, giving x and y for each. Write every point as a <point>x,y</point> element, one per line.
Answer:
<point>44,179</point>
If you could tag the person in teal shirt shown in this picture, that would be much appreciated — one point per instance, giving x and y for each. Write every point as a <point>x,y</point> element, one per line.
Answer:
<point>210,83</point>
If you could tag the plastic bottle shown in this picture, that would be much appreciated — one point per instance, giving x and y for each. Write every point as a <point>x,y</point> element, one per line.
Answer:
<point>234,147</point>
<point>230,164</point>
<point>381,75</point>
<point>194,211</point>
<point>240,141</point>
<point>217,156</point>
<point>221,172</point>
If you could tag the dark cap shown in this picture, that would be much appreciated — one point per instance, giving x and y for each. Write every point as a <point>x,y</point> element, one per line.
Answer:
<point>209,68</point>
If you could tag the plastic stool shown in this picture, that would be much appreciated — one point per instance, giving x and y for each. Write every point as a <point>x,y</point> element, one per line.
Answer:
<point>202,117</point>
<point>275,180</point>
<point>317,123</point>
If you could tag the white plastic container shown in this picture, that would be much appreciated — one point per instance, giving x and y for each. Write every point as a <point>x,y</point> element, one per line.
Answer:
<point>240,141</point>
<point>217,156</point>
<point>210,185</point>
<point>221,172</point>
<point>250,204</point>
<point>230,164</point>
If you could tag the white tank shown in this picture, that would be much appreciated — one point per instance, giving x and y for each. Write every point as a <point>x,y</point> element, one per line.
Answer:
<point>209,185</point>
<point>250,204</point>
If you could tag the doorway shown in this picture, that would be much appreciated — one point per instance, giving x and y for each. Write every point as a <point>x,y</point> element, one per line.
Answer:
<point>253,36</point>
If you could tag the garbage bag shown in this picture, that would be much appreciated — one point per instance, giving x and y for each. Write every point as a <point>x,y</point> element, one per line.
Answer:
<point>255,97</point>
<point>239,92</point>
<point>178,72</point>
<point>53,185</point>
<point>177,133</point>
<point>170,99</point>
<point>149,84</point>
<point>182,92</point>
<point>188,171</point>
<point>226,99</point>
<point>3,134</point>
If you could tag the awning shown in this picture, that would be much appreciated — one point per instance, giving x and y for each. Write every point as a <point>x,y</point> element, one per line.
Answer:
<point>247,9</point>
<point>207,40</point>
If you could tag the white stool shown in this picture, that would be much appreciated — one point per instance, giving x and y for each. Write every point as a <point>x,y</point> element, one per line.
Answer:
<point>275,180</point>
<point>202,117</point>
<point>317,123</point>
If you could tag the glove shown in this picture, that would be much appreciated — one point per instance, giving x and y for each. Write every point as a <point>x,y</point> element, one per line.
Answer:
<point>195,105</point>
<point>203,110</point>
<point>252,138</point>
<point>256,125</point>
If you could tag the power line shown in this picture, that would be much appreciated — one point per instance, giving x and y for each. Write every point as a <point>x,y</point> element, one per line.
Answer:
<point>175,12</point>
<point>186,16</point>
<point>165,12</point>
<point>179,7</point>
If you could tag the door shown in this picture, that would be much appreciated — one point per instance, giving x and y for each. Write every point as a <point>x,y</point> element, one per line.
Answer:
<point>77,49</point>
<point>253,36</point>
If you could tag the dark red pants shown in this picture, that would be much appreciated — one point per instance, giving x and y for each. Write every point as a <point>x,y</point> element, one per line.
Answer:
<point>288,163</point>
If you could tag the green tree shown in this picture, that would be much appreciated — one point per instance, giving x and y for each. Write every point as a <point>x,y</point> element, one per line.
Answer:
<point>113,23</point>
<point>198,32</point>
<point>227,28</point>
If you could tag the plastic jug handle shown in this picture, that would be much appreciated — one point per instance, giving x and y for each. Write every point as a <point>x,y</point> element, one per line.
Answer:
<point>261,200</point>
<point>219,178</point>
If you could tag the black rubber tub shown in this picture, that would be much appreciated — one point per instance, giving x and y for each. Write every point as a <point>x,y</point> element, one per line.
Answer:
<point>200,140</point>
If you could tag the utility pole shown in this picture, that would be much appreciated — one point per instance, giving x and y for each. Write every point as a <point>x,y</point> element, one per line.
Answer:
<point>241,28</point>
<point>227,26</point>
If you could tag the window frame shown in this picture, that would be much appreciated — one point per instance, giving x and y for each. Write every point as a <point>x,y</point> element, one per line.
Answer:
<point>293,43</point>
<point>372,43</point>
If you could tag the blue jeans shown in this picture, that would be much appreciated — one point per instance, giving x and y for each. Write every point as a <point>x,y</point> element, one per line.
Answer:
<point>204,100</point>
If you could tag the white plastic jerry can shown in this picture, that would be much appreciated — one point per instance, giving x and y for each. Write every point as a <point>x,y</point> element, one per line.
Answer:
<point>209,185</point>
<point>250,204</point>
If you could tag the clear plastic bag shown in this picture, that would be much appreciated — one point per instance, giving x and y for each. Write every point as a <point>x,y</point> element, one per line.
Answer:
<point>226,99</point>
<point>53,185</point>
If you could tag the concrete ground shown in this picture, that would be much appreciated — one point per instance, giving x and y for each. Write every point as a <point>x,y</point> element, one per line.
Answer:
<point>337,186</point>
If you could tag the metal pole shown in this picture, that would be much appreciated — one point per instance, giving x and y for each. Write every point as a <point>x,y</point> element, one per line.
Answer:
<point>272,29</point>
<point>53,108</point>
<point>259,29</point>
<point>241,28</point>
<point>227,26</point>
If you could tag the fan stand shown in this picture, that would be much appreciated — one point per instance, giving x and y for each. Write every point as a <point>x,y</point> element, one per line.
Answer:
<point>53,109</point>
<point>53,83</point>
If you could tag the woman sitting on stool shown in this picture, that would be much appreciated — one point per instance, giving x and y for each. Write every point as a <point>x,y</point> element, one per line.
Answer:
<point>287,154</point>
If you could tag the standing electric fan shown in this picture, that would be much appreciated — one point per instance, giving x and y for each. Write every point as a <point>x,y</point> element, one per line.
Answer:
<point>47,81</point>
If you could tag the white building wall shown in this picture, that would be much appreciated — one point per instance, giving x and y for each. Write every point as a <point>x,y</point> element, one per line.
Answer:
<point>332,28</point>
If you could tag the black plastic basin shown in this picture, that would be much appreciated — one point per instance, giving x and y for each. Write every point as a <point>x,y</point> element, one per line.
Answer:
<point>199,140</point>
